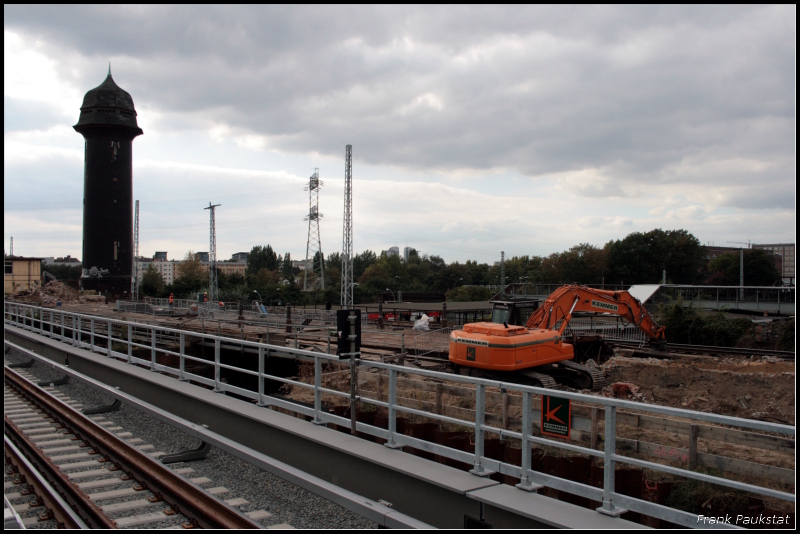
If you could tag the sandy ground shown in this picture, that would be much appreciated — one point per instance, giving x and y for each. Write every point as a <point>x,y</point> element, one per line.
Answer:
<point>753,388</point>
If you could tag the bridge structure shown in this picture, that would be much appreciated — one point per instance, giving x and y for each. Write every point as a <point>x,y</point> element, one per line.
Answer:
<point>154,364</point>
<point>769,299</point>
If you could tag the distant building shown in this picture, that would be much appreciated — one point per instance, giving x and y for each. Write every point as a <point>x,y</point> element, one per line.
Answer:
<point>171,270</point>
<point>393,251</point>
<point>67,261</point>
<point>786,251</point>
<point>229,267</point>
<point>202,256</point>
<point>21,273</point>
<point>240,256</point>
<point>167,269</point>
<point>406,253</point>
<point>160,256</point>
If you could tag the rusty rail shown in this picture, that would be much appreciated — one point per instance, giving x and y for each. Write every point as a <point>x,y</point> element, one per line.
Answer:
<point>203,509</point>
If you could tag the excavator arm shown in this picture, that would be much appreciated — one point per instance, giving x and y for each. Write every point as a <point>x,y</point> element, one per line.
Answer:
<point>566,300</point>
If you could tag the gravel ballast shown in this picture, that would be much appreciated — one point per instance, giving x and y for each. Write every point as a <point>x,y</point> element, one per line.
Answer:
<point>289,505</point>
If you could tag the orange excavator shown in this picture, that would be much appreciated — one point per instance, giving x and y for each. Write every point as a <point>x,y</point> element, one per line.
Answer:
<point>537,353</point>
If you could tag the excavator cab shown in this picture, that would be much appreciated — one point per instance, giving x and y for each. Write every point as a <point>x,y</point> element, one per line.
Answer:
<point>513,312</point>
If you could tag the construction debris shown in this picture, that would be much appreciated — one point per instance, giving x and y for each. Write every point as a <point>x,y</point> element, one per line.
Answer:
<point>52,293</point>
<point>624,389</point>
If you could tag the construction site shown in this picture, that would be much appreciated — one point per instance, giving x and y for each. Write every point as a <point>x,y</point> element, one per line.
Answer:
<point>748,383</point>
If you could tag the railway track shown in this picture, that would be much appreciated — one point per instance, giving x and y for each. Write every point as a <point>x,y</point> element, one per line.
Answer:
<point>77,456</point>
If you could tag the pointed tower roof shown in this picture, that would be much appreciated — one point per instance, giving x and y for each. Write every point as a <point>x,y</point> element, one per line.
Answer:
<point>109,105</point>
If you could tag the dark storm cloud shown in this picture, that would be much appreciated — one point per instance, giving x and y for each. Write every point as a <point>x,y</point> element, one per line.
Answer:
<point>635,90</point>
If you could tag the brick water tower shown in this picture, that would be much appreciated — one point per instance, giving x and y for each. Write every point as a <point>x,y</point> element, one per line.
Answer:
<point>108,125</point>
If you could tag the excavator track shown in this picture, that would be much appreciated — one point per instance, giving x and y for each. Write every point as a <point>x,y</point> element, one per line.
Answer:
<point>526,377</point>
<point>544,380</point>
<point>597,376</point>
<point>575,375</point>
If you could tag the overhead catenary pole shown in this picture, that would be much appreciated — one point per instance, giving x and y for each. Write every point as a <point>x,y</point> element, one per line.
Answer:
<point>213,290</point>
<point>346,300</point>
<point>314,243</point>
<point>741,267</point>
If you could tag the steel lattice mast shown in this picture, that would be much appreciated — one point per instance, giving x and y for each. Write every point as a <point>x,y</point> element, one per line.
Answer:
<point>213,290</point>
<point>135,270</point>
<point>314,243</point>
<point>347,244</point>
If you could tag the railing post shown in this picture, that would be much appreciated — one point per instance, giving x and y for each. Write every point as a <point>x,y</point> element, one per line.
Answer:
<point>110,331</point>
<point>317,389</point>
<point>62,327</point>
<point>152,348</point>
<point>182,351</point>
<point>261,377</point>
<point>391,443</point>
<point>217,370</point>
<point>480,417</point>
<point>609,451</point>
<point>525,464</point>
<point>75,336</point>
<point>91,334</point>
<point>130,343</point>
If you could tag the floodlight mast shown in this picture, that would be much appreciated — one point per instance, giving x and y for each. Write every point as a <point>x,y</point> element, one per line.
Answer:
<point>347,244</point>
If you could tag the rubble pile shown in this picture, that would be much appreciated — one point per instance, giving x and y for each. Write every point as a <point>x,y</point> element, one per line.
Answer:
<point>50,293</point>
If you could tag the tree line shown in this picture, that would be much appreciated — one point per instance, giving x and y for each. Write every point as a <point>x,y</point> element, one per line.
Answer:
<point>638,258</point>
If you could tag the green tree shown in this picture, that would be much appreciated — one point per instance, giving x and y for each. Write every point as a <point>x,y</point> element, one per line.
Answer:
<point>261,258</point>
<point>759,269</point>
<point>468,294</point>
<point>361,262</point>
<point>642,258</point>
<point>191,269</point>
<point>152,283</point>
<point>584,264</point>
<point>286,268</point>
<point>334,261</point>
<point>384,272</point>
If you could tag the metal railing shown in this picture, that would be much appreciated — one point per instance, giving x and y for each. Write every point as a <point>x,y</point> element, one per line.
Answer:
<point>778,299</point>
<point>434,341</point>
<point>611,329</point>
<point>272,315</point>
<point>119,339</point>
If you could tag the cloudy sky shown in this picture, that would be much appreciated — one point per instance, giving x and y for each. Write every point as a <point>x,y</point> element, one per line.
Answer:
<point>475,130</point>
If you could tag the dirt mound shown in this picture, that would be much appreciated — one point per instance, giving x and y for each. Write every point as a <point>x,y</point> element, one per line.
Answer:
<point>754,388</point>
